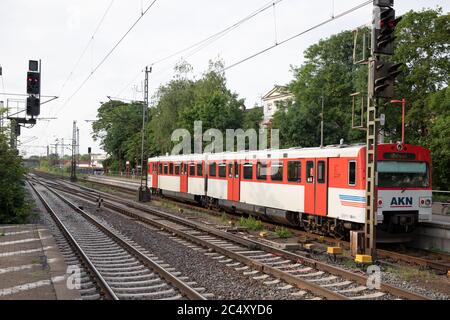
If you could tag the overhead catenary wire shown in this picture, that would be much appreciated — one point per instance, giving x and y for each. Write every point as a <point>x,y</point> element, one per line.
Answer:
<point>221,33</point>
<point>88,44</point>
<point>199,45</point>
<point>298,34</point>
<point>107,55</point>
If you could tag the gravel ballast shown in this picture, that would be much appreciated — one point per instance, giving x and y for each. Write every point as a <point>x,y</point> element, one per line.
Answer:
<point>224,282</point>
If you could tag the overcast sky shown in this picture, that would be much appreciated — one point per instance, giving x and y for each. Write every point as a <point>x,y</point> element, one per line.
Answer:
<point>58,31</point>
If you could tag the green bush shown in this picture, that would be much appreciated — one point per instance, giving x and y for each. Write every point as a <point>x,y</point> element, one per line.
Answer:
<point>13,206</point>
<point>251,223</point>
<point>282,232</point>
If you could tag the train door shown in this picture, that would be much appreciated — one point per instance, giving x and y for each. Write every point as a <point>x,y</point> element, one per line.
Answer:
<point>310,186</point>
<point>321,186</point>
<point>233,180</point>
<point>154,175</point>
<point>183,177</point>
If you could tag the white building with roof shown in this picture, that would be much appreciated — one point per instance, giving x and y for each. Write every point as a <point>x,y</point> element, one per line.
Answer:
<point>270,99</point>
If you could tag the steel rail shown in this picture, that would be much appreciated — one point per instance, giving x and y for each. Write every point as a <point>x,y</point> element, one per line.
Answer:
<point>101,282</point>
<point>388,254</point>
<point>291,279</point>
<point>168,276</point>
<point>360,279</point>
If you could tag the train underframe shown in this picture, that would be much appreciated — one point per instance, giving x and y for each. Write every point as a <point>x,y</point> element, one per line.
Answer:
<point>397,226</point>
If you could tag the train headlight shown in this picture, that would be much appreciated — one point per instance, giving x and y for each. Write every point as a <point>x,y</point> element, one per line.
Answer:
<point>380,203</point>
<point>425,202</point>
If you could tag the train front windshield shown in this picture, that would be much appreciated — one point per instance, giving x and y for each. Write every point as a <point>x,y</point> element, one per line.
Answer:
<point>402,174</point>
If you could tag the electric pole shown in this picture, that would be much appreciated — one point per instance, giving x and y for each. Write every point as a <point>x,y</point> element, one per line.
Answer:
<point>73,167</point>
<point>77,158</point>
<point>321,126</point>
<point>144,192</point>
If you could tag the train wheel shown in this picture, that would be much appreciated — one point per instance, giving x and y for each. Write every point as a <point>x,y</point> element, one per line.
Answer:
<point>307,226</point>
<point>338,232</point>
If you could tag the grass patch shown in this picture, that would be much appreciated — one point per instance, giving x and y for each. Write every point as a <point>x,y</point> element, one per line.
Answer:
<point>2,234</point>
<point>410,273</point>
<point>283,232</point>
<point>224,218</point>
<point>251,223</point>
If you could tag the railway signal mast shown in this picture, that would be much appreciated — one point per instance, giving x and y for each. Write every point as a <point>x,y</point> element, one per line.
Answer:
<point>380,86</point>
<point>34,88</point>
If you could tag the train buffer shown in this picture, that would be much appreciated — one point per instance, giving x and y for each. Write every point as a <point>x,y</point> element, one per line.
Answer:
<point>363,259</point>
<point>334,252</point>
<point>309,247</point>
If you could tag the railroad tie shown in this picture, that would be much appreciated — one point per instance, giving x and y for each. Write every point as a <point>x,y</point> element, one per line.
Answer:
<point>369,296</point>
<point>300,293</point>
<point>246,273</point>
<point>272,282</point>
<point>286,287</point>
<point>356,289</point>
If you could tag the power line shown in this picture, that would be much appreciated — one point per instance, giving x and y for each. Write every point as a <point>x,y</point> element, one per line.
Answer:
<point>86,47</point>
<point>298,34</point>
<point>107,55</point>
<point>199,45</point>
<point>221,33</point>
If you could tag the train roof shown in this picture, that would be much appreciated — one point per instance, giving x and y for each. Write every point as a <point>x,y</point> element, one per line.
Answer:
<point>314,152</point>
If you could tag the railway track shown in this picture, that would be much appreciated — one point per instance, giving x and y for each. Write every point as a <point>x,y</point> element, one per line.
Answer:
<point>435,261</point>
<point>120,268</point>
<point>254,259</point>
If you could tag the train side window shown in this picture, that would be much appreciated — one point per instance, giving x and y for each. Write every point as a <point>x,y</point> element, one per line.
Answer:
<point>199,169</point>
<point>277,171</point>
<point>222,170</point>
<point>321,172</point>
<point>248,171</point>
<point>192,169</point>
<point>165,168</point>
<point>309,171</point>
<point>184,168</point>
<point>261,170</point>
<point>160,168</point>
<point>230,170</point>
<point>352,173</point>
<point>212,169</point>
<point>294,171</point>
<point>236,169</point>
<point>177,169</point>
<point>170,168</point>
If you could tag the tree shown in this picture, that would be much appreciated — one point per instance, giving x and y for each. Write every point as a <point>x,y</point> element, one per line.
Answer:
<point>117,127</point>
<point>438,138</point>
<point>328,72</point>
<point>422,40</point>
<point>421,45</point>
<point>170,100</point>
<point>253,118</point>
<point>183,101</point>
<point>213,103</point>
<point>13,206</point>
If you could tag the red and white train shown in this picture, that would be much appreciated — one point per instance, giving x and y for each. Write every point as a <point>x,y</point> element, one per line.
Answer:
<point>318,189</point>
